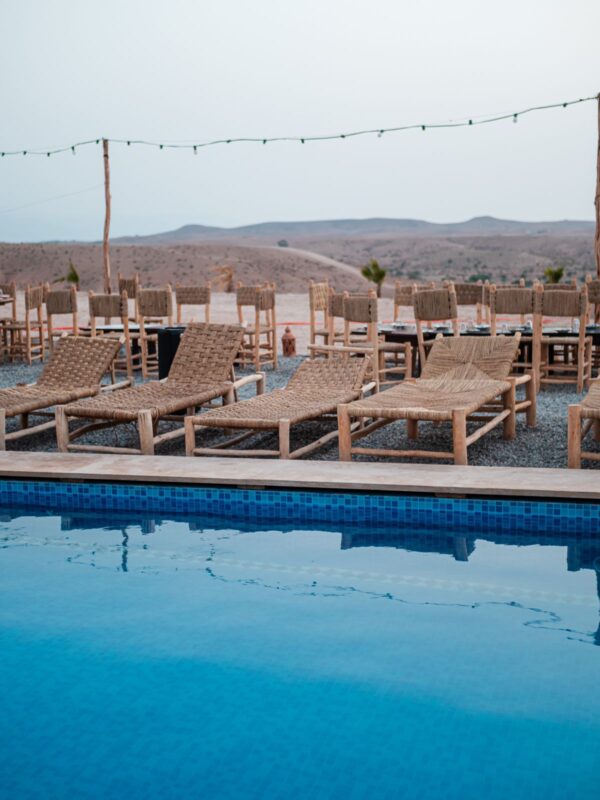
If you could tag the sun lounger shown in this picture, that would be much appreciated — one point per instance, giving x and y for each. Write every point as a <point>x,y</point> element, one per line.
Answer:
<point>464,380</point>
<point>584,418</point>
<point>202,371</point>
<point>74,370</point>
<point>316,389</point>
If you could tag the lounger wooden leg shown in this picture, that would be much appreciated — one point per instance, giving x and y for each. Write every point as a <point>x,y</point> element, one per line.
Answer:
<point>62,429</point>
<point>574,437</point>
<point>510,422</point>
<point>190,436</point>
<point>531,395</point>
<point>412,428</point>
<point>344,433</point>
<point>284,438</point>
<point>2,429</point>
<point>146,433</point>
<point>459,437</point>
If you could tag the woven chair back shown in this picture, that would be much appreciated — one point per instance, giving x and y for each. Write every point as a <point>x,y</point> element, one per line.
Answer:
<point>9,288</point>
<point>34,297</point>
<point>129,285</point>
<point>360,308</point>
<point>476,357</point>
<point>155,302</point>
<point>206,353</point>
<point>247,295</point>
<point>266,299</point>
<point>469,294</point>
<point>78,361</point>
<point>61,301</point>
<point>318,295</point>
<point>108,305</point>
<point>321,376</point>
<point>566,303</point>
<point>435,304</point>
<point>335,303</point>
<point>593,288</point>
<point>403,292</point>
<point>513,300</point>
<point>192,295</point>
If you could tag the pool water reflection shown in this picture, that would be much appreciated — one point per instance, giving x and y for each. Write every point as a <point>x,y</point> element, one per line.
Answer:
<point>192,657</point>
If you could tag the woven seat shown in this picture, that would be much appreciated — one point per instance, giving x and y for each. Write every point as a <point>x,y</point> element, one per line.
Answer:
<point>202,371</point>
<point>463,380</point>
<point>74,370</point>
<point>584,418</point>
<point>316,389</point>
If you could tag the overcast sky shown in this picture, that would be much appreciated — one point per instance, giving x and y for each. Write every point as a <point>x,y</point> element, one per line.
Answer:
<point>190,70</point>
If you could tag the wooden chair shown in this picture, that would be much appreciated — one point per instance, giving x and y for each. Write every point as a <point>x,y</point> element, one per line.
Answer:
<point>593,287</point>
<point>193,296</point>
<point>259,346</point>
<point>523,303</point>
<point>9,289</point>
<point>572,354</point>
<point>318,301</point>
<point>154,306</point>
<point>391,362</point>
<point>60,302</point>
<point>108,307</point>
<point>434,305</point>
<point>24,339</point>
<point>584,418</point>
<point>403,295</point>
<point>132,287</point>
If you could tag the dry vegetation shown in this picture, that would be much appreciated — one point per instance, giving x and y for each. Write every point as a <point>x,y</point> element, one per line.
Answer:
<point>502,258</point>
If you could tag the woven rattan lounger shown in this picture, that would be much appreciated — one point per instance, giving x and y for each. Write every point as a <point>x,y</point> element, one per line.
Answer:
<point>315,389</point>
<point>583,418</point>
<point>463,380</point>
<point>74,370</point>
<point>202,371</point>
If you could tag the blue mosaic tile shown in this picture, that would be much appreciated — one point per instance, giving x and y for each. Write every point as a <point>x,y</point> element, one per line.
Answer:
<point>421,511</point>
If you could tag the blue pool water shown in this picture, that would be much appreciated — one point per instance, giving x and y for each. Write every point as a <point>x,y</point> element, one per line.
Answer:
<point>149,655</point>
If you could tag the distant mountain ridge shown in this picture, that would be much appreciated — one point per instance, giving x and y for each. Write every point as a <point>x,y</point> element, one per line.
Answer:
<point>378,226</point>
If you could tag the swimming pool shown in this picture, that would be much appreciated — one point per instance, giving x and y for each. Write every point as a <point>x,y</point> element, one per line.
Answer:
<point>182,642</point>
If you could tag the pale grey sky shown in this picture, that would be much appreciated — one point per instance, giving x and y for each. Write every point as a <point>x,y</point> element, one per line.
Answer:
<point>197,69</point>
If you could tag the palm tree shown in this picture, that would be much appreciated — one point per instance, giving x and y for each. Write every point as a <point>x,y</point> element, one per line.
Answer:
<point>374,273</point>
<point>554,274</point>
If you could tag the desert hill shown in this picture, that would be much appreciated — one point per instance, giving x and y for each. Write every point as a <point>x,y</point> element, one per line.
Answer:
<point>273,231</point>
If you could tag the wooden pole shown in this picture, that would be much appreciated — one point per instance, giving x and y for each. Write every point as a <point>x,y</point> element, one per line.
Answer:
<point>105,252</point>
<point>597,235</point>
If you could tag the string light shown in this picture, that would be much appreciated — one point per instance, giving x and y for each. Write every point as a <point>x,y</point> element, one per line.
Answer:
<point>302,139</point>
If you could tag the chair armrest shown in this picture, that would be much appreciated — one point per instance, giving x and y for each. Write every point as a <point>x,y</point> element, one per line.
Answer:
<point>111,387</point>
<point>259,378</point>
<point>368,387</point>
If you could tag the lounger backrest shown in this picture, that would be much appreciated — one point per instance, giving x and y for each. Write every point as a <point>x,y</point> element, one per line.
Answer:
<point>477,357</point>
<point>206,353</point>
<point>326,376</point>
<point>78,361</point>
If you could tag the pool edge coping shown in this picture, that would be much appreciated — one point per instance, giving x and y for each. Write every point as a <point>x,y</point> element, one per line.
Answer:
<point>381,477</point>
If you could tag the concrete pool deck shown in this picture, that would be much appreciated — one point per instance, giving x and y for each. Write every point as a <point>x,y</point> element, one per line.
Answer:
<point>436,479</point>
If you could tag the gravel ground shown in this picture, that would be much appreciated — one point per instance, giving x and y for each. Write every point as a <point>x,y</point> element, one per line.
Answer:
<point>544,446</point>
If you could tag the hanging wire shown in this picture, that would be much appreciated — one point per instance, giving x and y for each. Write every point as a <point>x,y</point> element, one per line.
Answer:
<point>470,122</point>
